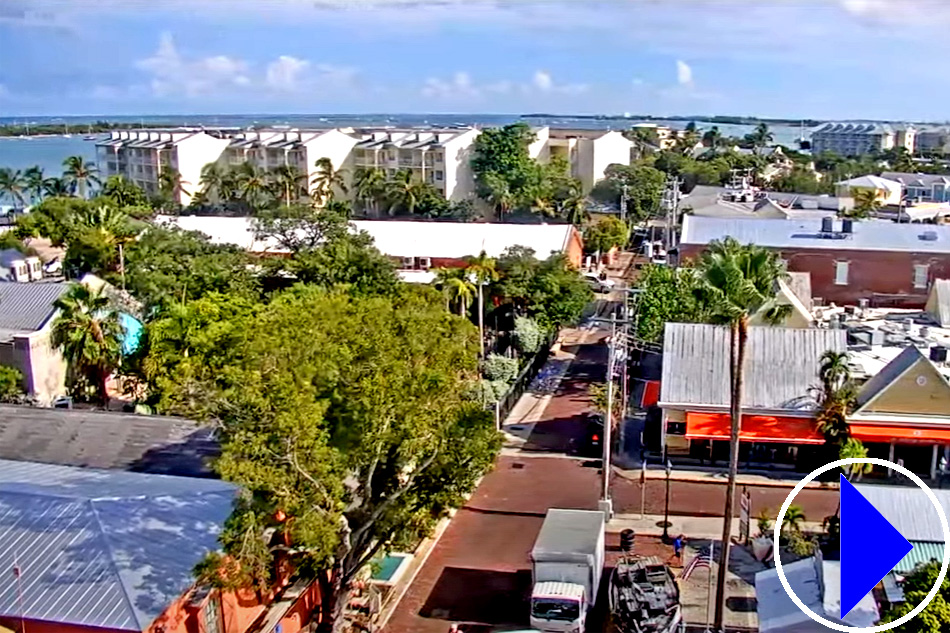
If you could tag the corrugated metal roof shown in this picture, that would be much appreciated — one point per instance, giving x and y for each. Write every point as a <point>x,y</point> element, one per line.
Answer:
<point>98,439</point>
<point>26,307</point>
<point>867,235</point>
<point>103,548</point>
<point>909,509</point>
<point>923,552</point>
<point>781,365</point>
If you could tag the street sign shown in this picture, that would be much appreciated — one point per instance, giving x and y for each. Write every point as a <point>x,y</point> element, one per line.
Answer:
<point>745,513</point>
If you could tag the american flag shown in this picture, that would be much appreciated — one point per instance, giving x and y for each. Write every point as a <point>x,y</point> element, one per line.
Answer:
<point>702,559</point>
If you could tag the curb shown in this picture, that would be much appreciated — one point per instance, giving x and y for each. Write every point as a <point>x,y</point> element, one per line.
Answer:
<point>634,475</point>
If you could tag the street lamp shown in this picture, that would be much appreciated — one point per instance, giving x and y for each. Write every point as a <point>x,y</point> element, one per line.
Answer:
<point>666,511</point>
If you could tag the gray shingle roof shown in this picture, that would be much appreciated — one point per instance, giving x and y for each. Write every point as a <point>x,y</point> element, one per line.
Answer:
<point>868,235</point>
<point>26,307</point>
<point>97,439</point>
<point>781,365</point>
<point>103,548</point>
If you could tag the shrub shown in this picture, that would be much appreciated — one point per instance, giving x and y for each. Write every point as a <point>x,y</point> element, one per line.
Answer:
<point>11,384</point>
<point>487,392</point>
<point>500,368</point>
<point>528,335</point>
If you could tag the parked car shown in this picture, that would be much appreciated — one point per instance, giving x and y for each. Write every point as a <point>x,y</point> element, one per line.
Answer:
<point>599,285</point>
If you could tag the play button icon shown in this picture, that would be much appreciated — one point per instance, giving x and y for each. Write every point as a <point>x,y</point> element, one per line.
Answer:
<point>870,546</point>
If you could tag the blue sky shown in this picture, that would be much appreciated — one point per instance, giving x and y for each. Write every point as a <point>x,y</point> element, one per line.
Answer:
<point>805,58</point>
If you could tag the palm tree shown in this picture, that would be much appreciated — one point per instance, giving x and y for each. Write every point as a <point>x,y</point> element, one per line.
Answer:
<point>482,268</point>
<point>853,448</point>
<point>80,174</point>
<point>251,184</point>
<point>88,333</point>
<point>56,187</point>
<point>497,192</point>
<point>794,517</point>
<point>404,192</point>
<point>713,137</point>
<point>369,185</point>
<point>736,282</point>
<point>575,210</point>
<point>33,183</point>
<point>456,287</point>
<point>326,180</point>
<point>12,185</point>
<point>212,182</point>
<point>866,202</point>
<point>761,137</point>
<point>289,182</point>
<point>171,186</point>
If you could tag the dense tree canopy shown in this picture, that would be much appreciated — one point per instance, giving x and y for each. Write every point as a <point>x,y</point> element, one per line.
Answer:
<point>356,440</point>
<point>936,617</point>
<point>644,188</point>
<point>607,233</point>
<point>668,295</point>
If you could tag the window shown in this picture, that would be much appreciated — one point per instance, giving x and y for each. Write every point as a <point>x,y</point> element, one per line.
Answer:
<point>438,175</point>
<point>841,273</point>
<point>676,428</point>
<point>920,275</point>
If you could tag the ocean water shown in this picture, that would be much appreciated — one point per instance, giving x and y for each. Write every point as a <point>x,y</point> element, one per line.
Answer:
<point>49,152</point>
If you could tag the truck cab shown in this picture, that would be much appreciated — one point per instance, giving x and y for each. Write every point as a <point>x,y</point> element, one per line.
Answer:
<point>559,606</point>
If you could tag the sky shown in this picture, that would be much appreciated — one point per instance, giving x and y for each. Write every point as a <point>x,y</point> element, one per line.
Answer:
<point>826,59</point>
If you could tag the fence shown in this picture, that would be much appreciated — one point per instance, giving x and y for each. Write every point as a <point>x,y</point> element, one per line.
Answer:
<point>504,406</point>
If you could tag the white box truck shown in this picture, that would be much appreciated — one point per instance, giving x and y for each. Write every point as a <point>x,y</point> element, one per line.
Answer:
<point>566,564</point>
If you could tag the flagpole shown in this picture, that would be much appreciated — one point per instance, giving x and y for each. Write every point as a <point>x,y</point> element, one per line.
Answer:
<point>643,488</point>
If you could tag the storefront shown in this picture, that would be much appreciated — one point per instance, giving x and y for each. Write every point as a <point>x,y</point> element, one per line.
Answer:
<point>919,448</point>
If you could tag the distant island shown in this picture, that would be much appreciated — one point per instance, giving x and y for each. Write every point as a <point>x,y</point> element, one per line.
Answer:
<point>722,120</point>
<point>58,129</point>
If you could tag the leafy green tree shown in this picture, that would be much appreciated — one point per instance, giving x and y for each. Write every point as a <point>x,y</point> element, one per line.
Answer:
<point>88,333</point>
<point>936,617</point>
<point>550,291</point>
<point>737,282</point>
<point>667,295</point>
<point>608,233</point>
<point>644,188</point>
<point>502,165</point>
<point>34,183</point>
<point>500,368</point>
<point>483,271</point>
<point>80,175</point>
<point>352,445</point>
<point>12,186</point>
<point>93,238</point>
<point>123,193</point>
<point>11,385</point>
<point>54,219</point>
<point>799,180</point>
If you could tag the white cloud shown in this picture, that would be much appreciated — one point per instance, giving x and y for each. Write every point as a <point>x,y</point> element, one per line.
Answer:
<point>284,72</point>
<point>173,74</point>
<point>684,74</point>
<point>543,81</point>
<point>460,85</point>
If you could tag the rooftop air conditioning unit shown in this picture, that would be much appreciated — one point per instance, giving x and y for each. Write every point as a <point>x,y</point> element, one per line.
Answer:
<point>425,263</point>
<point>408,262</point>
<point>938,354</point>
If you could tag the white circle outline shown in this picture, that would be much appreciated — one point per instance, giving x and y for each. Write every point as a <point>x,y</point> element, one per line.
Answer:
<point>843,627</point>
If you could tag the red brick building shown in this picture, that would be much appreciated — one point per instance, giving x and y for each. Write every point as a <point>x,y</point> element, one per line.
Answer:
<point>888,264</point>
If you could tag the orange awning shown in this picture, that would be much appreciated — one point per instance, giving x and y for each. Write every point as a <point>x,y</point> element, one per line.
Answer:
<point>651,394</point>
<point>755,428</point>
<point>875,433</point>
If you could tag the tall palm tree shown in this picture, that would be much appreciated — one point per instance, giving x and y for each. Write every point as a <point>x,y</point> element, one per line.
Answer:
<point>171,185</point>
<point>88,333</point>
<point>866,202</point>
<point>212,182</point>
<point>326,180</point>
<point>12,185</point>
<point>251,184</point>
<point>456,287</point>
<point>761,136</point>
<point>482,268</point>
<point>80,174</point>
<point>736,282</point>
<point>713,137</point>
<point>56,187</point>
<point>575,209</point>
<point>369,185</point>
<point>33,183</point>
<point>404,192</point>
<point>497,192</point>
<point>288,182</point>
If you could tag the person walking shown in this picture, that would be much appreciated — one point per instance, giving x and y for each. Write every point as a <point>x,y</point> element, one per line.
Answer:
<point>678,548</point>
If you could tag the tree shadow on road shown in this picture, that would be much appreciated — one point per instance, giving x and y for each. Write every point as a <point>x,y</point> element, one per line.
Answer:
<point>480,596</point>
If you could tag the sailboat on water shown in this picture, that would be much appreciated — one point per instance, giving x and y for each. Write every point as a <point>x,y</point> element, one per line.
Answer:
<point>89,135</point>
<point>66,133</point>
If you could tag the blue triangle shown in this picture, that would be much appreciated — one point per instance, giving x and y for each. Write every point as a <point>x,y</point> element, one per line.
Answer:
<point>870,546</point>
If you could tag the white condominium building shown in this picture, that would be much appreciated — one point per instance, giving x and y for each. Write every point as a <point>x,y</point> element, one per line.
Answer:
<point>588,152</point>
<point>441,158</point>
<point>141,155</point>
<point>854,139</point>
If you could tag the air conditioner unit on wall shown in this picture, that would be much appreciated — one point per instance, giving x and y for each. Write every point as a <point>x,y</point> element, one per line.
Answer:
<point>425,263</point>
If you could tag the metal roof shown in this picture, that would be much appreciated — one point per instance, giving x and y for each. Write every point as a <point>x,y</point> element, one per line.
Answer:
<point>909,509</point>
<point>103,548</point>
<point>781,365</point>
<point>569,532</point>
<point>919,180</point>
<point>923,552</point>
<point>805,233</point>
<point>98,439</point>
<point>26,307</point>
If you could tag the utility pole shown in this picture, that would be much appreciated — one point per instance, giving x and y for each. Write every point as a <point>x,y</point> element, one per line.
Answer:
<point>623,202</point>
<point>606,503</point>
<point>671,204</point>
